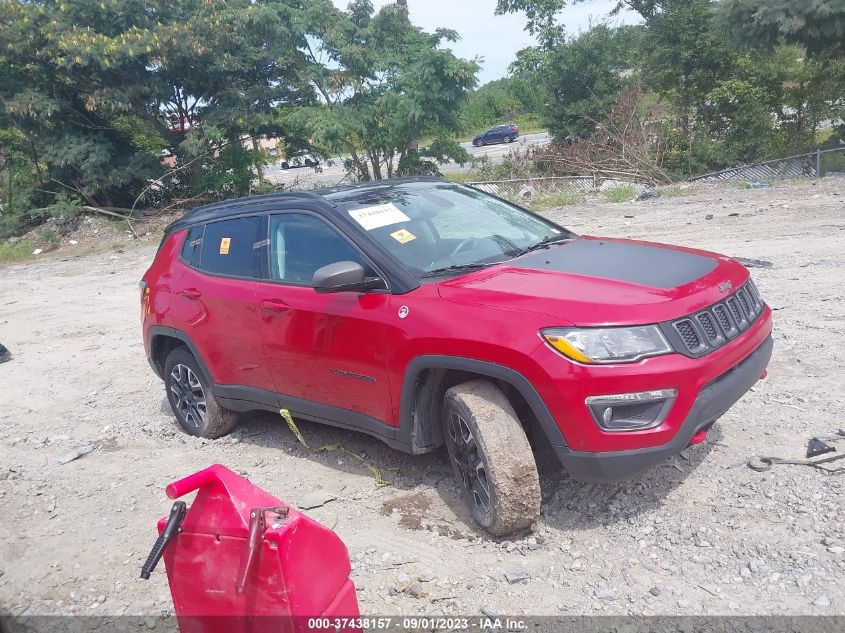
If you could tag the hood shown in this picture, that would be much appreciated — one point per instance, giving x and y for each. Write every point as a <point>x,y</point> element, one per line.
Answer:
<point>598,281</point>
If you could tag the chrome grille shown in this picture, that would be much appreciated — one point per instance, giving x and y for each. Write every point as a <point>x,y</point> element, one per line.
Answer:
<point>716,325</point>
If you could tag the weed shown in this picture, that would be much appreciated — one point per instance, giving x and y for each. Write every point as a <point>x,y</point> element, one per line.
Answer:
<point>620,193</point>
<point>15,252</point>
<point>47,236</point>
<point>553,200</point>
<point>674,191</point>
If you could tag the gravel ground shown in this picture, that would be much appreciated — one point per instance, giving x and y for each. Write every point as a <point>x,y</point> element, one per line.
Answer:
<point>702,534</point>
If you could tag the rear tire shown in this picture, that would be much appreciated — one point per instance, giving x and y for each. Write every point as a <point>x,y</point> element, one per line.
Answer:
<point>491,457</point>
<point>190,396</point>
<point>507,139</point>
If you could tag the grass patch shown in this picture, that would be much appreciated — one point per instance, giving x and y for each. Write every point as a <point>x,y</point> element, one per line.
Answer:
<point>620,193</point>
<point>823,136</point>
<point>674,191</point>
<point>15,252</point>
<point>552,200</point>
<point>462,176</point>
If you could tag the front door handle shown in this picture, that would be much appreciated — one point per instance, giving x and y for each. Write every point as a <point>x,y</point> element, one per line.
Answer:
<point>189,293</point>
<point>275,305</point>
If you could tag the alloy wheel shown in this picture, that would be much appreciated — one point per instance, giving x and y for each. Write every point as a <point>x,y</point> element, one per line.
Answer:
<point>468,459</point>
<point>189,395</point>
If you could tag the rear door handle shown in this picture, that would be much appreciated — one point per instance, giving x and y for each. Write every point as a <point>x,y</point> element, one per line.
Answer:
<point>275,305</point>
<point>189,293</point>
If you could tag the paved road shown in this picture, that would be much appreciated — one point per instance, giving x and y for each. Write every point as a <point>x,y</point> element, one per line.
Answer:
<point>332,171</point>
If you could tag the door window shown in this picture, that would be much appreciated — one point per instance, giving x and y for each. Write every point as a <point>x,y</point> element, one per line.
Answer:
<point>234,247</point>
<point>193,245</point>
<point>300,244</point>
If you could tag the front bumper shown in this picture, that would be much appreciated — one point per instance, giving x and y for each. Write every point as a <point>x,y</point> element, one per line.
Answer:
<point>712,401</point>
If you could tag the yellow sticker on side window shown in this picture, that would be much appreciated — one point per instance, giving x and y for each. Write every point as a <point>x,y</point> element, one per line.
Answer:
<point>402,236</point>
<point>224,245</point>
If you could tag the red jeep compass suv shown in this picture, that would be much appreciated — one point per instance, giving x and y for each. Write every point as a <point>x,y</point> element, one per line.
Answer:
<point>425,313</point>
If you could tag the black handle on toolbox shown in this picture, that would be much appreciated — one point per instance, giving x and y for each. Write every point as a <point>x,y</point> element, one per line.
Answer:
<point>174,522</point>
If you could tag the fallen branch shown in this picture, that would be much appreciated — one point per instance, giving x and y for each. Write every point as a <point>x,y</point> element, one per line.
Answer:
<point>114,215</point>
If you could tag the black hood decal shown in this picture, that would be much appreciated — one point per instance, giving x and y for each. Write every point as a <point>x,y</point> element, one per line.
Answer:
<point>621,261</point>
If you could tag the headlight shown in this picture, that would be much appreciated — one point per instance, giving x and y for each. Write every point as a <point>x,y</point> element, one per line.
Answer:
<point>607,345</point>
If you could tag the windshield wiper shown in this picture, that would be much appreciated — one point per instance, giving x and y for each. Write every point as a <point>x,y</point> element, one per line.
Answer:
<point>456,268</point>
<point>546,242</point>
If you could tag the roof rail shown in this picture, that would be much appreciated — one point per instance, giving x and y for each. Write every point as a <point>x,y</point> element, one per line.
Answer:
<point>236,202</point>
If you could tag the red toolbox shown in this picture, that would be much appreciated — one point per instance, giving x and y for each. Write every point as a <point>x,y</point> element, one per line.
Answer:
<point>241,560</point>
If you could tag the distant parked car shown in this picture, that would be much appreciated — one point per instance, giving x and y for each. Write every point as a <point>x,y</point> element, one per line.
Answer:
<point>303,159</point>
<point>498,134</point>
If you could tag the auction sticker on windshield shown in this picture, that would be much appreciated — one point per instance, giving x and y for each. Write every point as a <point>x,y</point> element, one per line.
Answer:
<point>378,216</point>
<point>402,236</point>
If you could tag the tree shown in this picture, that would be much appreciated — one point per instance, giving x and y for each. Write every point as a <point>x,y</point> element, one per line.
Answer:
<point>816,25</point>
<point>540,17</point>
<point>384,84</point>
<point>498,101</point>
<point>98,89</point>
<point>585,75</point>
<point>686,55</point>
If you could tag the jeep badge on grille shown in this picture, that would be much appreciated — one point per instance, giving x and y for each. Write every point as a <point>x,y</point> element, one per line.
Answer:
<point>725,286</point>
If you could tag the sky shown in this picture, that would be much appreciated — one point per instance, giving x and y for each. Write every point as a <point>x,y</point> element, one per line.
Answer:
<point>495,38</point>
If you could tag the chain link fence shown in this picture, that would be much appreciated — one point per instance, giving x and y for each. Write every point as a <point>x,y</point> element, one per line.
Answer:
<point>529,188</point>
<point>811,165</point>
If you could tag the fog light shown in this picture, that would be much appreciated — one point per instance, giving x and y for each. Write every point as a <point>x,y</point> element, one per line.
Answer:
<point>632,411</point>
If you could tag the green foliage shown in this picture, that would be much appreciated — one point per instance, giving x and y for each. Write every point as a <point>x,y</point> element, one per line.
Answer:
<point>620,193</point>
<point>15,252</point>
<point>494,102</point>
<point>555,200</point>
<point>737,80</point>
<point>540,16</point>
<point>685,55</point>
<point>586,74</point>
<point>816,25</point>
<point>47,237</point>
<point>18,181</point>
<point>96,90</point>
<point>385,84</point>
<point>675,191</point>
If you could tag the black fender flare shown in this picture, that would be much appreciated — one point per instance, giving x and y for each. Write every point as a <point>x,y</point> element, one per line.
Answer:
<point>408,422</point>
<point>157,331</point>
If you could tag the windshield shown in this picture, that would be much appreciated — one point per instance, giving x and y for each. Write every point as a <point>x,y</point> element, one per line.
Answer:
<point>433,228</point>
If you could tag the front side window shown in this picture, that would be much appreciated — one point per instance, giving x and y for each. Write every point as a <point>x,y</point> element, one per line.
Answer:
<point>233,247</point>
<point>300,244</point>
<point>430,228</point>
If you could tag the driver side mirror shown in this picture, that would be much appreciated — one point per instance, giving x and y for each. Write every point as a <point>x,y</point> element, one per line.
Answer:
<point>344,277</point>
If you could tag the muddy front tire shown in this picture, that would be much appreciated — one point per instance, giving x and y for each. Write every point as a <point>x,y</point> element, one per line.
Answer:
<point>491,457</point>
<point>194,405</point>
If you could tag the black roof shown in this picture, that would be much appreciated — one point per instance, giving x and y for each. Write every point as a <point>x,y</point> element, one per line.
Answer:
<point>330,196</point>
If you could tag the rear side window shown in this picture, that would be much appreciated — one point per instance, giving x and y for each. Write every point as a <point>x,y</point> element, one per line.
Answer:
<point>193,245</point>
<point>234,247</point>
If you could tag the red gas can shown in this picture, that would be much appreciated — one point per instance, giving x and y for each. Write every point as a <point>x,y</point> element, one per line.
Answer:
<point>245,561</point>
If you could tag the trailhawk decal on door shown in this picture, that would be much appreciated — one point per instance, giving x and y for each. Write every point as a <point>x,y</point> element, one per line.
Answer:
<point>352,374</point>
